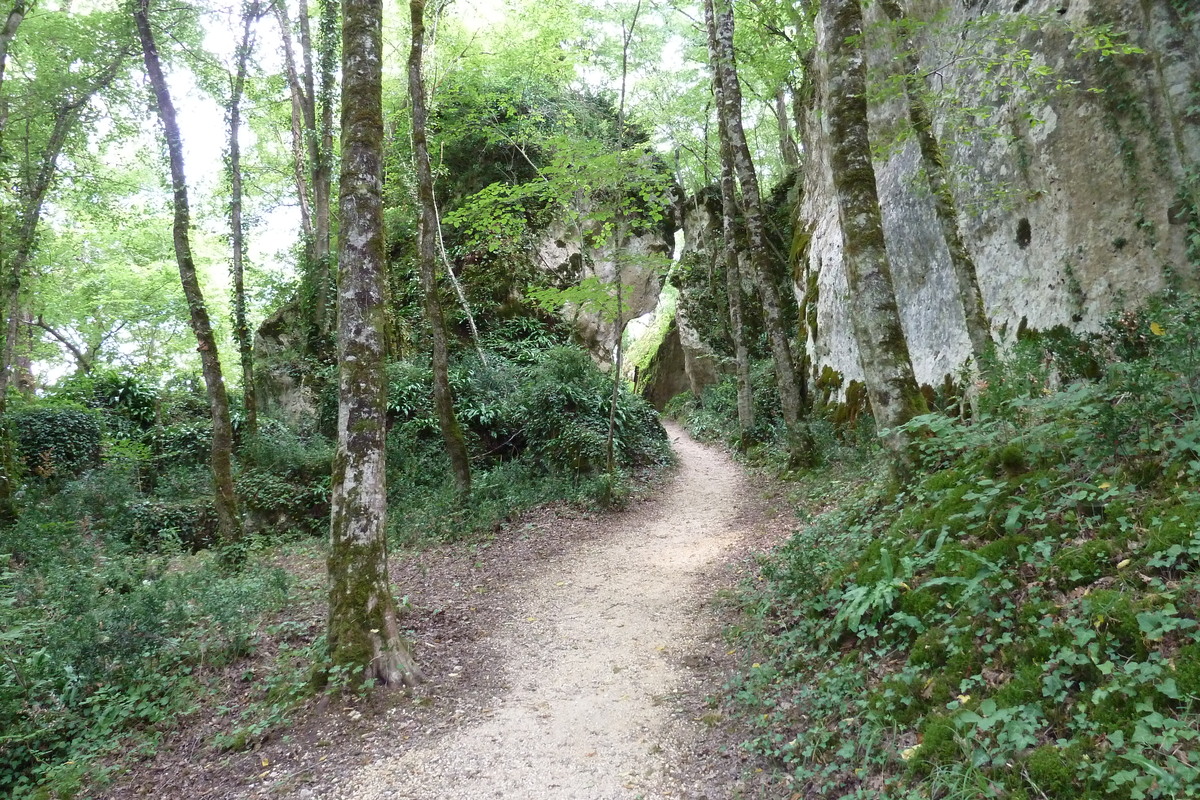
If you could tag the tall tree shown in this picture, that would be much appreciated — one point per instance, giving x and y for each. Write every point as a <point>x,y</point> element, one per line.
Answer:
<point>363,630</point>
<point>618,239</point>
<point>719,22</point>
<point>58,90</point>
<point>228,519</point>
<point>427,240</point>
<point>237,230</point>
<point>13,21</point>
<point>312,87</point>
<point>733,287</point>
<point>875,317</point>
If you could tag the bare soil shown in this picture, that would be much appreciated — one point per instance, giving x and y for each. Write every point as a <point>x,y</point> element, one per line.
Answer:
<point>572,656</point>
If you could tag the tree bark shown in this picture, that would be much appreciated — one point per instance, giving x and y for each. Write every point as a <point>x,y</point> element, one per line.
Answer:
<point>883,350</point>
<point>228,520</point>
<point>934,161</point>
<point>427,232</point>
<point>618,238</point>
<point>312,147</point>
<point>237,231</point>
<point>733,286</point>
<point>299,105</point>
<point>729,109</point>
<point>788,150</point>
<point>363,628</point>
<point>7,32</point>
<point>322,167</point>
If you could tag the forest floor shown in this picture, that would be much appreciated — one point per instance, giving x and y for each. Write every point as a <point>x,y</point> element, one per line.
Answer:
<point>570,656</point>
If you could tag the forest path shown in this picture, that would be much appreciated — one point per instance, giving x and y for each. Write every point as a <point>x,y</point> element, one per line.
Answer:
<point>591,648</point>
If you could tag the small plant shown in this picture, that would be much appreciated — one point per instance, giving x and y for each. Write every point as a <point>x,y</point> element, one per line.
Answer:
<point>1020,619</point>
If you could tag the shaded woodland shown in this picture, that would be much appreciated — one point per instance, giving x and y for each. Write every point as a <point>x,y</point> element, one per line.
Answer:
<point>338,283</point>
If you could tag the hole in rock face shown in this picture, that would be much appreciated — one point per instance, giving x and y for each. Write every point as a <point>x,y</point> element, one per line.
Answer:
<point>1024,233</point>
<point>1017,6</point>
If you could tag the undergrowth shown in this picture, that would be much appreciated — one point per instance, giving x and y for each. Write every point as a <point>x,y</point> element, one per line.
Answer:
<point>115,616</point>
<point>713,417</point>
<point>537,428</point>
<point>1020,621</point>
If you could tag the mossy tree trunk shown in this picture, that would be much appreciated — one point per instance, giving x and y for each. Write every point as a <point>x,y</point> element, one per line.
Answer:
<point>733,287</point>
<point>228,521</point>
<point>883,351</point>
<point>237,230</point>
<point>363,628</point>
<point>719,21</point>
<point>312,147</point>
<point>945,208</point>
<point>427,231</point>
<point>322,163</point>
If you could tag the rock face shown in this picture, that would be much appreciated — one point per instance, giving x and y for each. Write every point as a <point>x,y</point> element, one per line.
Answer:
<point>667,374</point>
<point>1082,211</point>
<point>703,361</point>
<point>643,258</point>
<point>281,390</point>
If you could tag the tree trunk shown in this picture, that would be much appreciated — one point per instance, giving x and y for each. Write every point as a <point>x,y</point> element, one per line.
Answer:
<point>618,237</point>
<point>228,520</point>
<point>934,162</point>
<point>31,197</point>
<point>443,401</point>
<point>363,629</point>
<point>729,109</point>
<point>322,167</point>
<point>312,147</point>
<point>883,350</point>
<point>733,286</point>
<point>788,150</point>
<point>237,231</point>
<point>299,105</point>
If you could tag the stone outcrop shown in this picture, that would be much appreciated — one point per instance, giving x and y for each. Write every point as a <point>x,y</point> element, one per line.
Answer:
<point>283,390</point>
<point>666,376</point>
<point>642,259</point>
<point>1073,205</point>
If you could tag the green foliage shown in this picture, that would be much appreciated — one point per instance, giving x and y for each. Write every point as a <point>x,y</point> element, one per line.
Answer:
<point>1024,610</point>
<point>56,443</point>
<point>536,429</point>
<point>713,417</point>
<point>126,395</point>
<point>284,482</point>
<point>98,645</point>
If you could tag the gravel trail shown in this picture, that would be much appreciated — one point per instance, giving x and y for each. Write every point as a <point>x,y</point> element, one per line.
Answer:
<point>591,651</point>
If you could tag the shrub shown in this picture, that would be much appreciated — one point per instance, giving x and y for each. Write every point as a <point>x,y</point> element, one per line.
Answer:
<point>56,443</point>
<point>1027,604</point>
<point>564,408</point>
<point>97,648</point>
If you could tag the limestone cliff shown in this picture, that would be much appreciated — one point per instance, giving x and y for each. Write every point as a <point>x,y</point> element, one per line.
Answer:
<point>1073,201</point>
<point>642,259</point>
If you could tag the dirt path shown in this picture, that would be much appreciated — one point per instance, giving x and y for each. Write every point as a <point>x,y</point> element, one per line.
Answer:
<point>569,657</point>
<point>591,649</point>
